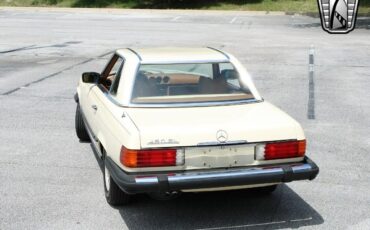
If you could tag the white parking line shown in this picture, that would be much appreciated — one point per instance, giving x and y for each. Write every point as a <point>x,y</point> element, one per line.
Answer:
<point>255,225</point>
<point>175,18</point>
<point>233,20</point>
<point>243,226</point>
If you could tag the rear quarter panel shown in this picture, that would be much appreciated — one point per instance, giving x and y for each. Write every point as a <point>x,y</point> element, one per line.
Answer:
<point>115,127</point>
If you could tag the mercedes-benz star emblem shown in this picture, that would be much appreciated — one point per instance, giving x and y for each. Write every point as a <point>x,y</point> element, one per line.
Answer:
<point>221,136</point>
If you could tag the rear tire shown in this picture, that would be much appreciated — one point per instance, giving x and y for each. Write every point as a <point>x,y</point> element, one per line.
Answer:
<point>80,126</point>
<point>114,195</point>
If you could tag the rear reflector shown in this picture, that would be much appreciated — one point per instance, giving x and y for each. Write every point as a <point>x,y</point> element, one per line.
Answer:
<point>151,157</point>
<point>280,150</point>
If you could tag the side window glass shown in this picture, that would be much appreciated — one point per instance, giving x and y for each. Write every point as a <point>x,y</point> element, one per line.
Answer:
<point>113,73</point>
<point>114,88</point>
<point>231,76</point>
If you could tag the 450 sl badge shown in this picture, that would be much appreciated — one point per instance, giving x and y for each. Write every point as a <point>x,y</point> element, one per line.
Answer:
<point>163,141</point>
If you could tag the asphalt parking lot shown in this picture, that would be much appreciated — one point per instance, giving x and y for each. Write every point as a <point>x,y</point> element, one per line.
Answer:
<point>51,181</point>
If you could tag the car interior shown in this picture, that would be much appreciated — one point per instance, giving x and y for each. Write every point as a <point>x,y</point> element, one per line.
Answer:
<point>155,85</point>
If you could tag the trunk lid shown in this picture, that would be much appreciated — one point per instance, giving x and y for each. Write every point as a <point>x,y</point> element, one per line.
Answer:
<point>215,125</point>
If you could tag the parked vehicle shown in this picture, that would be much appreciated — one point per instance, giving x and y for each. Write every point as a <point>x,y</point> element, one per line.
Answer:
<point>172,120</point>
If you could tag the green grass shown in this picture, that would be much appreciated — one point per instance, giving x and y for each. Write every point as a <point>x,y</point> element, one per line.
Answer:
<point>253,5</point>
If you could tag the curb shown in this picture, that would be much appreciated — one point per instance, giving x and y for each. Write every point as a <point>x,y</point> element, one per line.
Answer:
<point>125,10</point>
<point>166,11</point>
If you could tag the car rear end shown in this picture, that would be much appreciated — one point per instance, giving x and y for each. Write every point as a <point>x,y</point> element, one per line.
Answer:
<point>203,168</point>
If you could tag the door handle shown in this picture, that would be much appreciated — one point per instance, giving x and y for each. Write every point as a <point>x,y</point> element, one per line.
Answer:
<point>94,107</point>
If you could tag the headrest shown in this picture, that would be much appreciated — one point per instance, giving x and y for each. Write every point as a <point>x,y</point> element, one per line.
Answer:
<point>229,74</point>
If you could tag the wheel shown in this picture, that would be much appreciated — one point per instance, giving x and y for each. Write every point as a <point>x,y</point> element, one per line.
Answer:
<point>114,195</point>
<point>266,190</point>
<point>80,126</point>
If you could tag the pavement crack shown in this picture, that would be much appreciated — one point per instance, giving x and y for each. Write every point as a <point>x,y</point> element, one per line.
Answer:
<point>54,74</point>
<point>32,47</point>
<point>47,97</point>
<point>17,49</point>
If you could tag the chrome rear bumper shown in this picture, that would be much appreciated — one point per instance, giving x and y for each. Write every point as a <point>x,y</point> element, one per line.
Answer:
<point>166,182</point>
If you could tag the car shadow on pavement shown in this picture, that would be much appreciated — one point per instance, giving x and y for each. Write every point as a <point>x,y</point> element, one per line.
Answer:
<point>220,210</point>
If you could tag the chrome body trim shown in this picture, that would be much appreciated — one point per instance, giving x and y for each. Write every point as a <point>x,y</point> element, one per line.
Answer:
<point>197,104</point>
<point>135,54</point>
<point>224,175</point>
<point>146,180</point>
<point>216,143</point>
<point>215,49</point>
<point>301,168</point>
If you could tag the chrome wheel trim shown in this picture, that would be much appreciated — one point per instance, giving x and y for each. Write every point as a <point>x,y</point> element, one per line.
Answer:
<point>106,178</point>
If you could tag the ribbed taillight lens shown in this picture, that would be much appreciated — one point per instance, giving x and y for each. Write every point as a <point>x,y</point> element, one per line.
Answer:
<point>280,150</point>
<point>151,157</point>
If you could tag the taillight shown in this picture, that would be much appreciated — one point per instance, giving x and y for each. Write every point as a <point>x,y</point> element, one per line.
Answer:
<point>280,150</point>
<point>151,157</point>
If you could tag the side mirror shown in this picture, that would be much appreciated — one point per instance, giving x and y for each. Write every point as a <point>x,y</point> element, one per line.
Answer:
<point>90,77</point>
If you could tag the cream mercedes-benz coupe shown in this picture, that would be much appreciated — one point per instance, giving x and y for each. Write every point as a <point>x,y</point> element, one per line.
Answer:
<point>172,120</point>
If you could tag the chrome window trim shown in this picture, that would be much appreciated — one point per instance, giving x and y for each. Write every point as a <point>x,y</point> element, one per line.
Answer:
<point>106,65</point>
<point>223,53</point>
<point>120,74</point>
<point>176,105</point>
<point>184,62</point>
<point>138,55</point>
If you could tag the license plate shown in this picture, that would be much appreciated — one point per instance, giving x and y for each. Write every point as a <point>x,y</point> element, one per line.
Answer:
<point>219,156</point>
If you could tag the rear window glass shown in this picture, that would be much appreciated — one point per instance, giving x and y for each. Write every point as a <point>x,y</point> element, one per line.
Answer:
<point>185,83</point>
